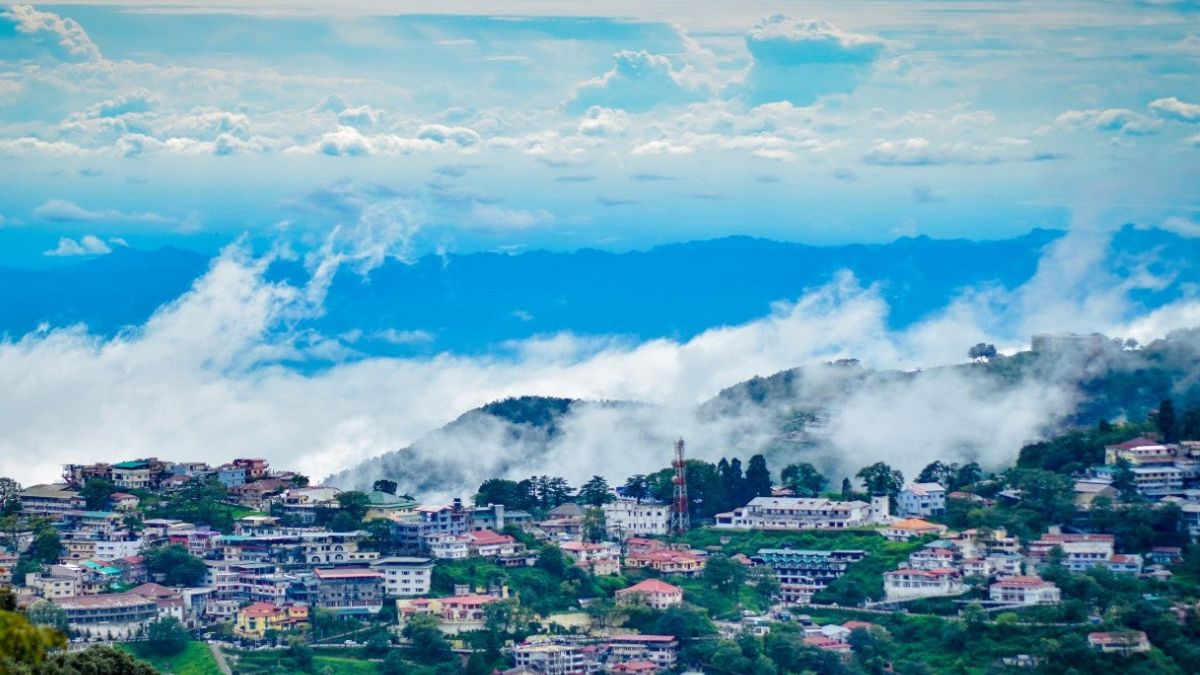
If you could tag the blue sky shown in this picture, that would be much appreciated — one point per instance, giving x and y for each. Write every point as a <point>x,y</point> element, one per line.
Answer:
<point>518,125</point>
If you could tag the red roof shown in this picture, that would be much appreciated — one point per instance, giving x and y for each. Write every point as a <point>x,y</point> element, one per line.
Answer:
<point>261,609</point>
<point>489,538</point>
<point>652,586</point>
<point>1139,442</point>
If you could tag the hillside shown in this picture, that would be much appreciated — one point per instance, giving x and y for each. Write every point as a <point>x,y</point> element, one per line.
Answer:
<point>839,416</point>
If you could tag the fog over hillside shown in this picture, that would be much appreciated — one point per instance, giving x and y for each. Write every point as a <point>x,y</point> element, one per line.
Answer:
<point>212,375</point>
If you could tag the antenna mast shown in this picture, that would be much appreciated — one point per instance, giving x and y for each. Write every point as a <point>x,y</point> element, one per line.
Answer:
<point>679,506</point>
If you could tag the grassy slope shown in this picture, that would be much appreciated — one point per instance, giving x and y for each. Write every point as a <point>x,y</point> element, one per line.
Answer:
<point>196,659</point>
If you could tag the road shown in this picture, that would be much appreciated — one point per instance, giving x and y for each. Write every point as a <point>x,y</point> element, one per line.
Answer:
<point>219,657</point>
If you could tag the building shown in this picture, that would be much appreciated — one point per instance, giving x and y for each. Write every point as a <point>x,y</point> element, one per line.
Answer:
<point>912,528</point>
<point>1119,642</point>
<point>405,577</point>
<point>489,544</point>
<point>1086,492</point>
<point>254,468</point>
<point>601,559</point>
<point>796,513</point>
<point>51,500</point>
<point>910,584</point>
<point>661,650</point>
<point>113,614</point>
<point>802,573</point>
<point>138,474</point>
<point>231,476</point>
<point>256,619</point>
<point>448,546</point>
<point>350,590</point>
<point>497,517</point>
<point>1138,452</point>
<point>415,529</point>
<point>53,587</point>
<point>922,499</point>
<point>632,518</point>
<point>651,592</point>
<point>550,658</point>
<point>1027,590</point>
<point>1040,548</point>
<point>667,561</point>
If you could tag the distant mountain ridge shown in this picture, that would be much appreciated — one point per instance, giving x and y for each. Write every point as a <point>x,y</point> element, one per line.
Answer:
<point>475,303</point>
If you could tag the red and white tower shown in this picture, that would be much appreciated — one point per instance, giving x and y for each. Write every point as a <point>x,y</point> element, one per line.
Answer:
<point>679,505</point>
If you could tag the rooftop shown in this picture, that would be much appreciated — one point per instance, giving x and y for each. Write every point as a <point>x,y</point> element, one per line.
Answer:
<point>652,586</point>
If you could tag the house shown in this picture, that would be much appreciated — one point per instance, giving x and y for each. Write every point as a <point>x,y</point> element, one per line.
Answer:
<point>803,573</point>
<point>52,500</point>
<point>448,546</point>
<point>169,601</point>
<point>463,613</point>
<point>1119,642</point>
<point>933,556</point>
<point>1166,555</point>
<point>112,614</point>
<point>910,584</point>
<point>661,650</point>
<point>553,658</point>
<point>827,644</point>
<point>1086,492</point>
<point>405,577</point>
<point>256,619</point>
<point>1040,548</point>
<point>382,504</point>
<point>254,468</point>
<point>651,592</point>
<point>630,517</point>
<point>497,517</point>
<point>601,559</point>
<point>685,562</point>
<point>922,499</point>
<point>1026,590</point>
<point>414,530</point>
<point>911,528</point>
<point>350,590</point>
<point>803,513</point>
<point>123,501</point>
<point>1138,452</point>
<point>489,544</point>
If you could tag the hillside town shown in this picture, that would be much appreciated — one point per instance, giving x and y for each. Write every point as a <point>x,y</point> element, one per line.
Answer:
<point>536,577</point>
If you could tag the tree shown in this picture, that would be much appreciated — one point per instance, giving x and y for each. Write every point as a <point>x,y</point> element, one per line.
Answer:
<point>803,479</point>
<point>1189,428</point>
<point>1165,421</point>
<point>428,644</point>
<point>378,645</point>
<point>939,472</point>
<point>179,567</point>
<point>299,651</point>
<point>732,480</point>
<point>593,525</point>
<point>95,660</point>
<point>96,492</point>
<point>596,492</point>
<point>47,546</point>
<point>552,560</point>
<point>9,502</point>
<point>881,479</point>
<point>968,474</point>
<point>25,643</point>
<point>1124,480</point>
<point>982,352</point>
<point>354,504</point>
<point>46,613</point>
<point>167,636</point>
<point>637,487</point>
<point>510,493</point>
<point>385,485</point>
<point>847,489</point>
<point>724,574</point>
<point>758,478</point>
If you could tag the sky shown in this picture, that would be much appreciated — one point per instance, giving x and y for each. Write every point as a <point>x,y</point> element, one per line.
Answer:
<point>347,137</point>
<point>513,126</point>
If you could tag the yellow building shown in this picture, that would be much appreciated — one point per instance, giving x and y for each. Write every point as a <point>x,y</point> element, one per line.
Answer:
<point>256,619</point>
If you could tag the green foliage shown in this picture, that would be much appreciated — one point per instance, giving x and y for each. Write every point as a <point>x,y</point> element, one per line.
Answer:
<point>1165,420</point>
<point>428,644</point>
<point>637,487</point>
<point>803,479</point>
<point>102,660</point>
<point>195,659</point>
<point>167,636</point>
<point>595,492</point>
<point>354,504</point>
<point>1076,450</point>
<point>96,492</point>
<point>180,567</point>
<point>22,642</point>
<point>46,613</point>
<point>881,479</point>
<point>385,485</point>
<point>724,575</point>
<point>201,501</point>
<point>758,479</point>
<point>9,503</point>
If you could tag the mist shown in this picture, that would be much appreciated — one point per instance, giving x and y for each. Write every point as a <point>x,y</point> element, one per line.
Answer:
<point>213,376</point>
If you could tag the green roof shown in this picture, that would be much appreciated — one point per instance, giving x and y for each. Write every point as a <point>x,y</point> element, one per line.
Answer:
<point>132,464</point>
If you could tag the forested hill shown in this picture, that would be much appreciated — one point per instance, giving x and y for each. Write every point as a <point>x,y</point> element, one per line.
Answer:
<point>785,415</point>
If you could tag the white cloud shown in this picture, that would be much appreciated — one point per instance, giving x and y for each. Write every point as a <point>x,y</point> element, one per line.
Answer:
<point>599,121</point>
<point>662,147</point>
<point>638,82</point>
<point>1121,120</point>
<point>87,245</point>
<point>919,151</point>
<point>68,32</point>
<point>1173,108</point>
<point>493,216</point>
<point>63,211</point>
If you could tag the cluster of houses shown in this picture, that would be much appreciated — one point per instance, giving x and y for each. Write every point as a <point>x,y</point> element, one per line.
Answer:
<point>1163,472</point>
<point>270,572</point>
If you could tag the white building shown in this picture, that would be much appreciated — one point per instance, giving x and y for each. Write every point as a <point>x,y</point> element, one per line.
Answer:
<point>1084,555</point>
<point>630,518</point>
<point>909,584</point>
<point>405,577</point>
<point>1024,591</point>
<point>115,550</point>
<point>553,659</point>
<point>449,546</point>
<point>922,499</point>
<point>797,513</point>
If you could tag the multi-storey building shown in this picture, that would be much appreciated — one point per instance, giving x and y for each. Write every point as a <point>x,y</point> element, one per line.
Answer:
<point>112,614</point>
<point>922,499</point>
<point>415,530</point>
<point>405,577</point>
<point>601,559</point>
<point>651,592</point>
<point>1027,590</point>
<point>796,513</point>
<point>51,500</point>
<point>632,518</point>
<point>550,658</point>
<point>661,650</point>
<point>802,573</point>
<point>350,590</point>
<point>909,584</point>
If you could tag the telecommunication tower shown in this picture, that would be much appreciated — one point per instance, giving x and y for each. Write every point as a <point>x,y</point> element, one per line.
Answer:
<point>679,505</point>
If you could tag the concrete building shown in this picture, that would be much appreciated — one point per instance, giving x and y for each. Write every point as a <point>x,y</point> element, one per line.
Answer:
<point>1119,642</point>
<point>1027,590</point>
<point>52,500</point>
<point>550,658</point>
<point>631,518</point>
<point>803,573</point>
<point>796,513</point>
<point>651,592</point>
<point>922,499</point>
<point>910,584</point>
<point>405,577</point>
<point>661,650</point>
<point>113,614</point>
<point>350,590</point>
